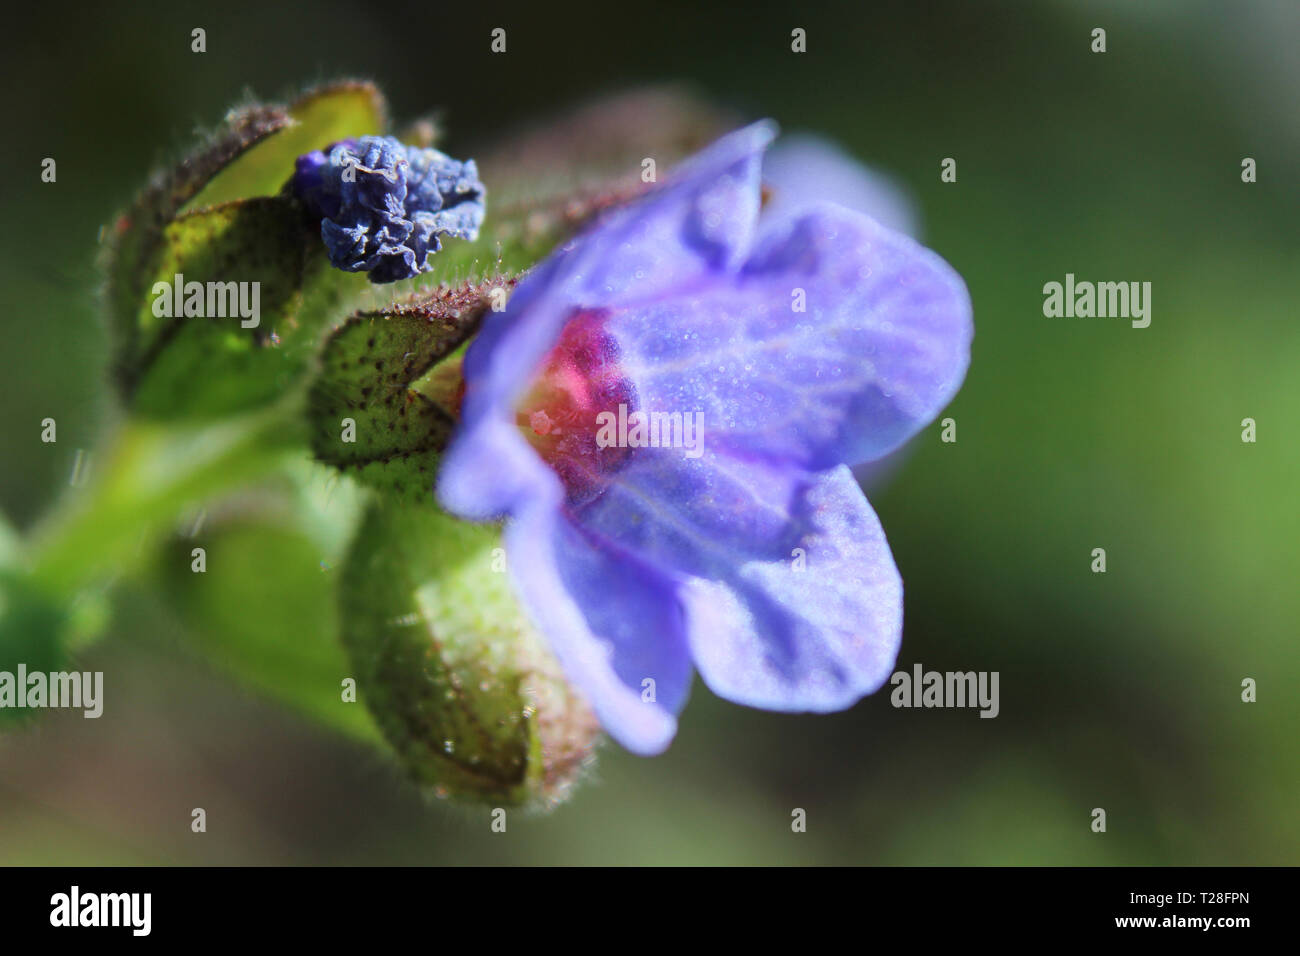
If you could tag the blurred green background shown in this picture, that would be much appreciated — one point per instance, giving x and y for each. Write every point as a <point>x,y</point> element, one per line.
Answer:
<point>1118,690</point>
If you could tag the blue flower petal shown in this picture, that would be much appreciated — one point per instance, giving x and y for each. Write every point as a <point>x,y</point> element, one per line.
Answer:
<point>791,595</point>
<point>881,348</point>
<point>672,239</point>
<point>816,637</point>
<point>489,470</point>
<point>759,558</point>
<point>677,237</point>
<point>596,607</point>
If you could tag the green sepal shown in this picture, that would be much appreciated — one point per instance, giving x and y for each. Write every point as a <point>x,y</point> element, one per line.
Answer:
<point>321,116</point>
<point>134,241</point>
<point>210,366</point>
<point>375,388</point>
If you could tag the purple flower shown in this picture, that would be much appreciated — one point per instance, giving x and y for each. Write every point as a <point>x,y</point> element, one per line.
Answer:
<point>383,205</point>
<point>750,555</point>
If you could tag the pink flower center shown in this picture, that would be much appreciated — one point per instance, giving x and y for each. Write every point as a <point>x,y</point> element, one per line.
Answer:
<point>560,414</point>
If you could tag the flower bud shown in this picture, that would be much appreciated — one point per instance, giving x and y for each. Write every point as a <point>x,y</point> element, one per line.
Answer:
<point>383,205</point>
<point>456,677</point>
<point>214,285</point>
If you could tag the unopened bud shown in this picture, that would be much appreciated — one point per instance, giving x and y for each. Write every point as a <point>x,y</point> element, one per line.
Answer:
<point>456,677</point>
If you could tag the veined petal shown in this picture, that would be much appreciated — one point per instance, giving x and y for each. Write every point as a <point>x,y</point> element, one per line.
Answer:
<point>881,346</point>
<point>815,632</point>
<point>695,515</point>
<point>791,595</point>
<point>611,621</point>
<point>700,222</point>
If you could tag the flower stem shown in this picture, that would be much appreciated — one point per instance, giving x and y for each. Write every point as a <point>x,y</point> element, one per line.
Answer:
<point>151,474</point>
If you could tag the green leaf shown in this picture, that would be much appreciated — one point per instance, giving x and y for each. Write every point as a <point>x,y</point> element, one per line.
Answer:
<point>370,413</point>
<point>458,680</point>
<point>321,116</point>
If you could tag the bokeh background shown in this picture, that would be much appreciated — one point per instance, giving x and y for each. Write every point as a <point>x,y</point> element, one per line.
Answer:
<point>1118,690</point>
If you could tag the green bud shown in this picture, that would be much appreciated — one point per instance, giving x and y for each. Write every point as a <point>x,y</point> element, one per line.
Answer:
<point>458,680</point>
